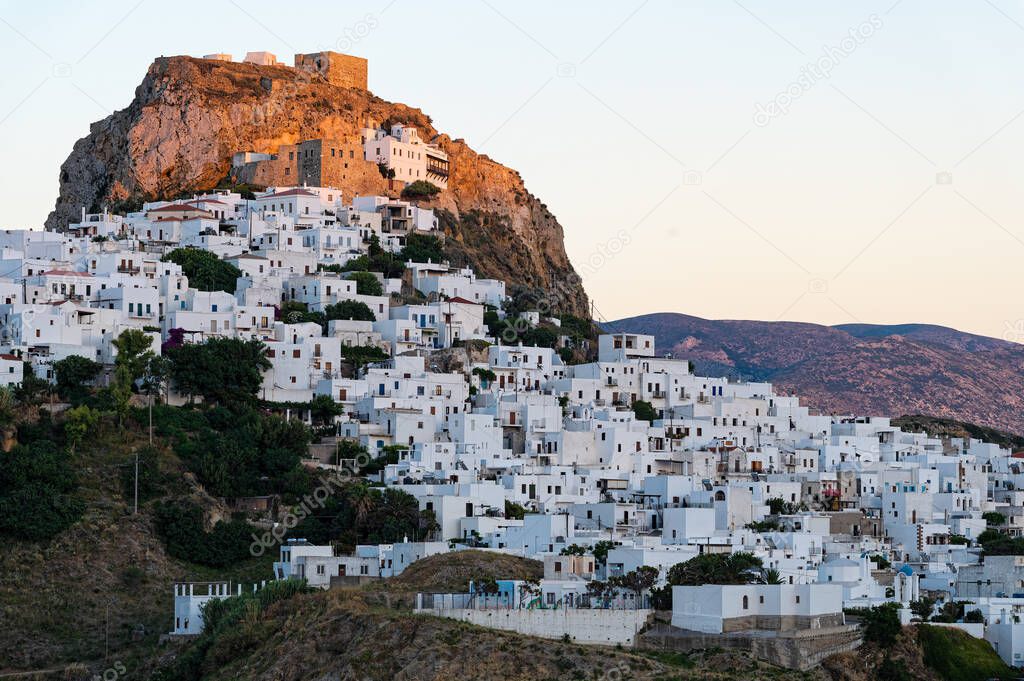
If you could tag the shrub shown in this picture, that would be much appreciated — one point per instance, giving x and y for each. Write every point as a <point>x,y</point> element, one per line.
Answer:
<point>180,525</point>
<point>366,284</point>
<point>151,480</point>
<point>205,271</point>
<point>881,624</point>
<point>73,374</point>
<point>363,354</point>
<point>881,561</point>
<point>420,189</point>
<point>36,492</point>
<point>716,568</point>
<point>349,309</point>
<point>515,511</point>
<point>422,247</point>
<point>994,518</point>
<point>644,411</point>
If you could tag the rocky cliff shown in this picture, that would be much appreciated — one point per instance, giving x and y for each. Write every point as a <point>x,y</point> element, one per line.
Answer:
<point>190,115</point>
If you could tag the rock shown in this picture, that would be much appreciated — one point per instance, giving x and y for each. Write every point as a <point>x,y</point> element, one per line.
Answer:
<point>190,115</point>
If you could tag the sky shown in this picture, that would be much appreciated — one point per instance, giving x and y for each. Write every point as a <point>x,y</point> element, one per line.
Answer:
<point>813,160</point>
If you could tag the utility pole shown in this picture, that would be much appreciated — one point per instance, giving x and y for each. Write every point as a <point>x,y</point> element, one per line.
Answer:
<point>136,512</point>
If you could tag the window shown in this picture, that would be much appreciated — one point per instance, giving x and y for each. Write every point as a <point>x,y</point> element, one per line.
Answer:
<point>746,603</point>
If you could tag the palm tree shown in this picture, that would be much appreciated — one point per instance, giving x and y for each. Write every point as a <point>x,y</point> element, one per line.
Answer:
<point>361,501</point>
<point>770,576</point>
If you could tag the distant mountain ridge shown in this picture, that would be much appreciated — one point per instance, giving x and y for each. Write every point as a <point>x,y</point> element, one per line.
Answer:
<point>874,369</point>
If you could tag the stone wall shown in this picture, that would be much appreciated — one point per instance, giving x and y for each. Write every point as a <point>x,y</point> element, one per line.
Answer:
<point>801,650</point>
<point>328,163</point>
<point>782,623</point>
<point>338,69</point>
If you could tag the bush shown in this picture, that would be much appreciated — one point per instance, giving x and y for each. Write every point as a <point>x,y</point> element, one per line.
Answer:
<point>180,526</point>
<point>73,374</point>
<point>349,309</point>
<point>366,284</point>
<point>881,624</point>
<point>36,492</point>
<point>421,248</point>
<point>151,480</point>
<point>515,511</point>
<point>644,411</point>
<point>974,617</point>
<point>994,518</point>
<point>205,271</point>
<point>420,189</point>
<point>363,354</point>
<point>892,670</point>
<point>881,561</point>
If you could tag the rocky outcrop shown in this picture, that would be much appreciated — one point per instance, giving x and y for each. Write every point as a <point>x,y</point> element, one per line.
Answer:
<point>190,115</point>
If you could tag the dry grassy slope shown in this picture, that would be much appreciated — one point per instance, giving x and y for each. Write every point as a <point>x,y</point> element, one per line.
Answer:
<point>58,599</point>
<point>452,572</point>
<point>344,634</point>
<point>189,115</point>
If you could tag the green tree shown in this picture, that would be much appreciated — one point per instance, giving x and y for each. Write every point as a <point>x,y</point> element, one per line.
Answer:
<point>994,518</point>
<point>639,581</point>
<point>323,409</point>
<point>134,350</point>
<point>602,548</point>
<point>363,354</point>
<point>923,607</point>
<point>422,248</point>
<point>221,370</point>
<point>514,510</point>
<point>120,392</point>
<point>881,624</point>
<point>644,411</point>
<point>73,374</point>
<point>32,389</point>
<point>366,284</point>
<point>151,479</point>
<point>770,576</point>
<point>8,403</point>
<point>79,422</point>
<point>349,309</point>
<point>716,568</point>
<point>881,561</point>
<point>154,379</point>
<point>974,616</point>
<point>205,271</point>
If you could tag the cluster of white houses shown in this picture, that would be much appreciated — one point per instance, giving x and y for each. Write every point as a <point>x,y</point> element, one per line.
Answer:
<point>724,466</point>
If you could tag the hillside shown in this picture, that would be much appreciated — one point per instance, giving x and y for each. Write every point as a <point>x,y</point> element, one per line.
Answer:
<point>864,369</point>
<point>446,573</point>
<point>190,115</point>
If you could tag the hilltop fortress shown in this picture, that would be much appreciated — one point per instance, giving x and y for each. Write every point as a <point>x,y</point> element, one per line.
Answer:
<point>342,70</point>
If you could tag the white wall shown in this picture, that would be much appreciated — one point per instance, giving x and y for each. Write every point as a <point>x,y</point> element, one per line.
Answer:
<point>582,625</point>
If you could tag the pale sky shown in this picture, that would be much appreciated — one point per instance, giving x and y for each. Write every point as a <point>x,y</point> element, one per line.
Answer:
<point>725,159</point>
